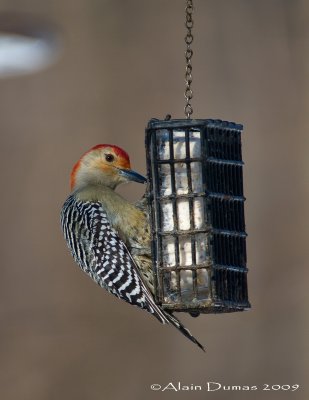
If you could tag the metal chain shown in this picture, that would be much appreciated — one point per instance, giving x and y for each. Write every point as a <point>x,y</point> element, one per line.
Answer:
<point>188,54</point>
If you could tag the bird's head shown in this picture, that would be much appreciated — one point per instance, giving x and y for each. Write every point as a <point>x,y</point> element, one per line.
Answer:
<point>106,165</point>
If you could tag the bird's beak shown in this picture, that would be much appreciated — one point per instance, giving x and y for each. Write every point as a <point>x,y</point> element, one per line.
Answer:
<point>132,176</point>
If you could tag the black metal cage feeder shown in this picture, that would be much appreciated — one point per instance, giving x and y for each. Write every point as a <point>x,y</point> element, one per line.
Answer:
<point>196,203</point>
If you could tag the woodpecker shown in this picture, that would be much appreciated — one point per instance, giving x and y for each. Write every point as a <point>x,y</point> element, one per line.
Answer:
<point>109,237</point>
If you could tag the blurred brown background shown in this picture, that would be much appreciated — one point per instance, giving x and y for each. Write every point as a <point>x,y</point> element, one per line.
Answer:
<point>122,62</point>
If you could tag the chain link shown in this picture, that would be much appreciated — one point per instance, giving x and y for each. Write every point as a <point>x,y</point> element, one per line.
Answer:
<point>188,109</point>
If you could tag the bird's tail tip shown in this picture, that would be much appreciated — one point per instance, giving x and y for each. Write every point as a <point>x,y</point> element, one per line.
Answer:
<point>174,321</point>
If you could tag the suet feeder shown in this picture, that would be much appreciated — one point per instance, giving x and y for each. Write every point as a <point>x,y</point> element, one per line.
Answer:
<point>197,215</point>
<point>196,204</point>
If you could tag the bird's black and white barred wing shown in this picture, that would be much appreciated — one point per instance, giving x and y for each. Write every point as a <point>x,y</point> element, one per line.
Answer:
<point>100,252</point>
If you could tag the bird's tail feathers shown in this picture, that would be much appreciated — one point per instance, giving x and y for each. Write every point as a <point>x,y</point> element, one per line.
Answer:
<point>163,316</point>
<point>174,321</point>
<point>166,318</point>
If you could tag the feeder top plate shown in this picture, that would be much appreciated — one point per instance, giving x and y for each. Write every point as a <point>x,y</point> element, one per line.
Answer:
<point>155,123</point>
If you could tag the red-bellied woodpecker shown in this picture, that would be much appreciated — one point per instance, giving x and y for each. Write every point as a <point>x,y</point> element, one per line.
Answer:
<point>108,236</point>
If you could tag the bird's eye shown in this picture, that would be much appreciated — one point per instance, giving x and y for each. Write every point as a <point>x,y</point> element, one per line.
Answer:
<point>109,157</point>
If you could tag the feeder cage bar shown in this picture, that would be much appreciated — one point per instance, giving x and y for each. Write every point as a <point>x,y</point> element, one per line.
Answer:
<point>196,202</point>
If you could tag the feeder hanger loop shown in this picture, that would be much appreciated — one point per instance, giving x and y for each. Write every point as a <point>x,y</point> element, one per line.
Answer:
<point>188,109</point>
